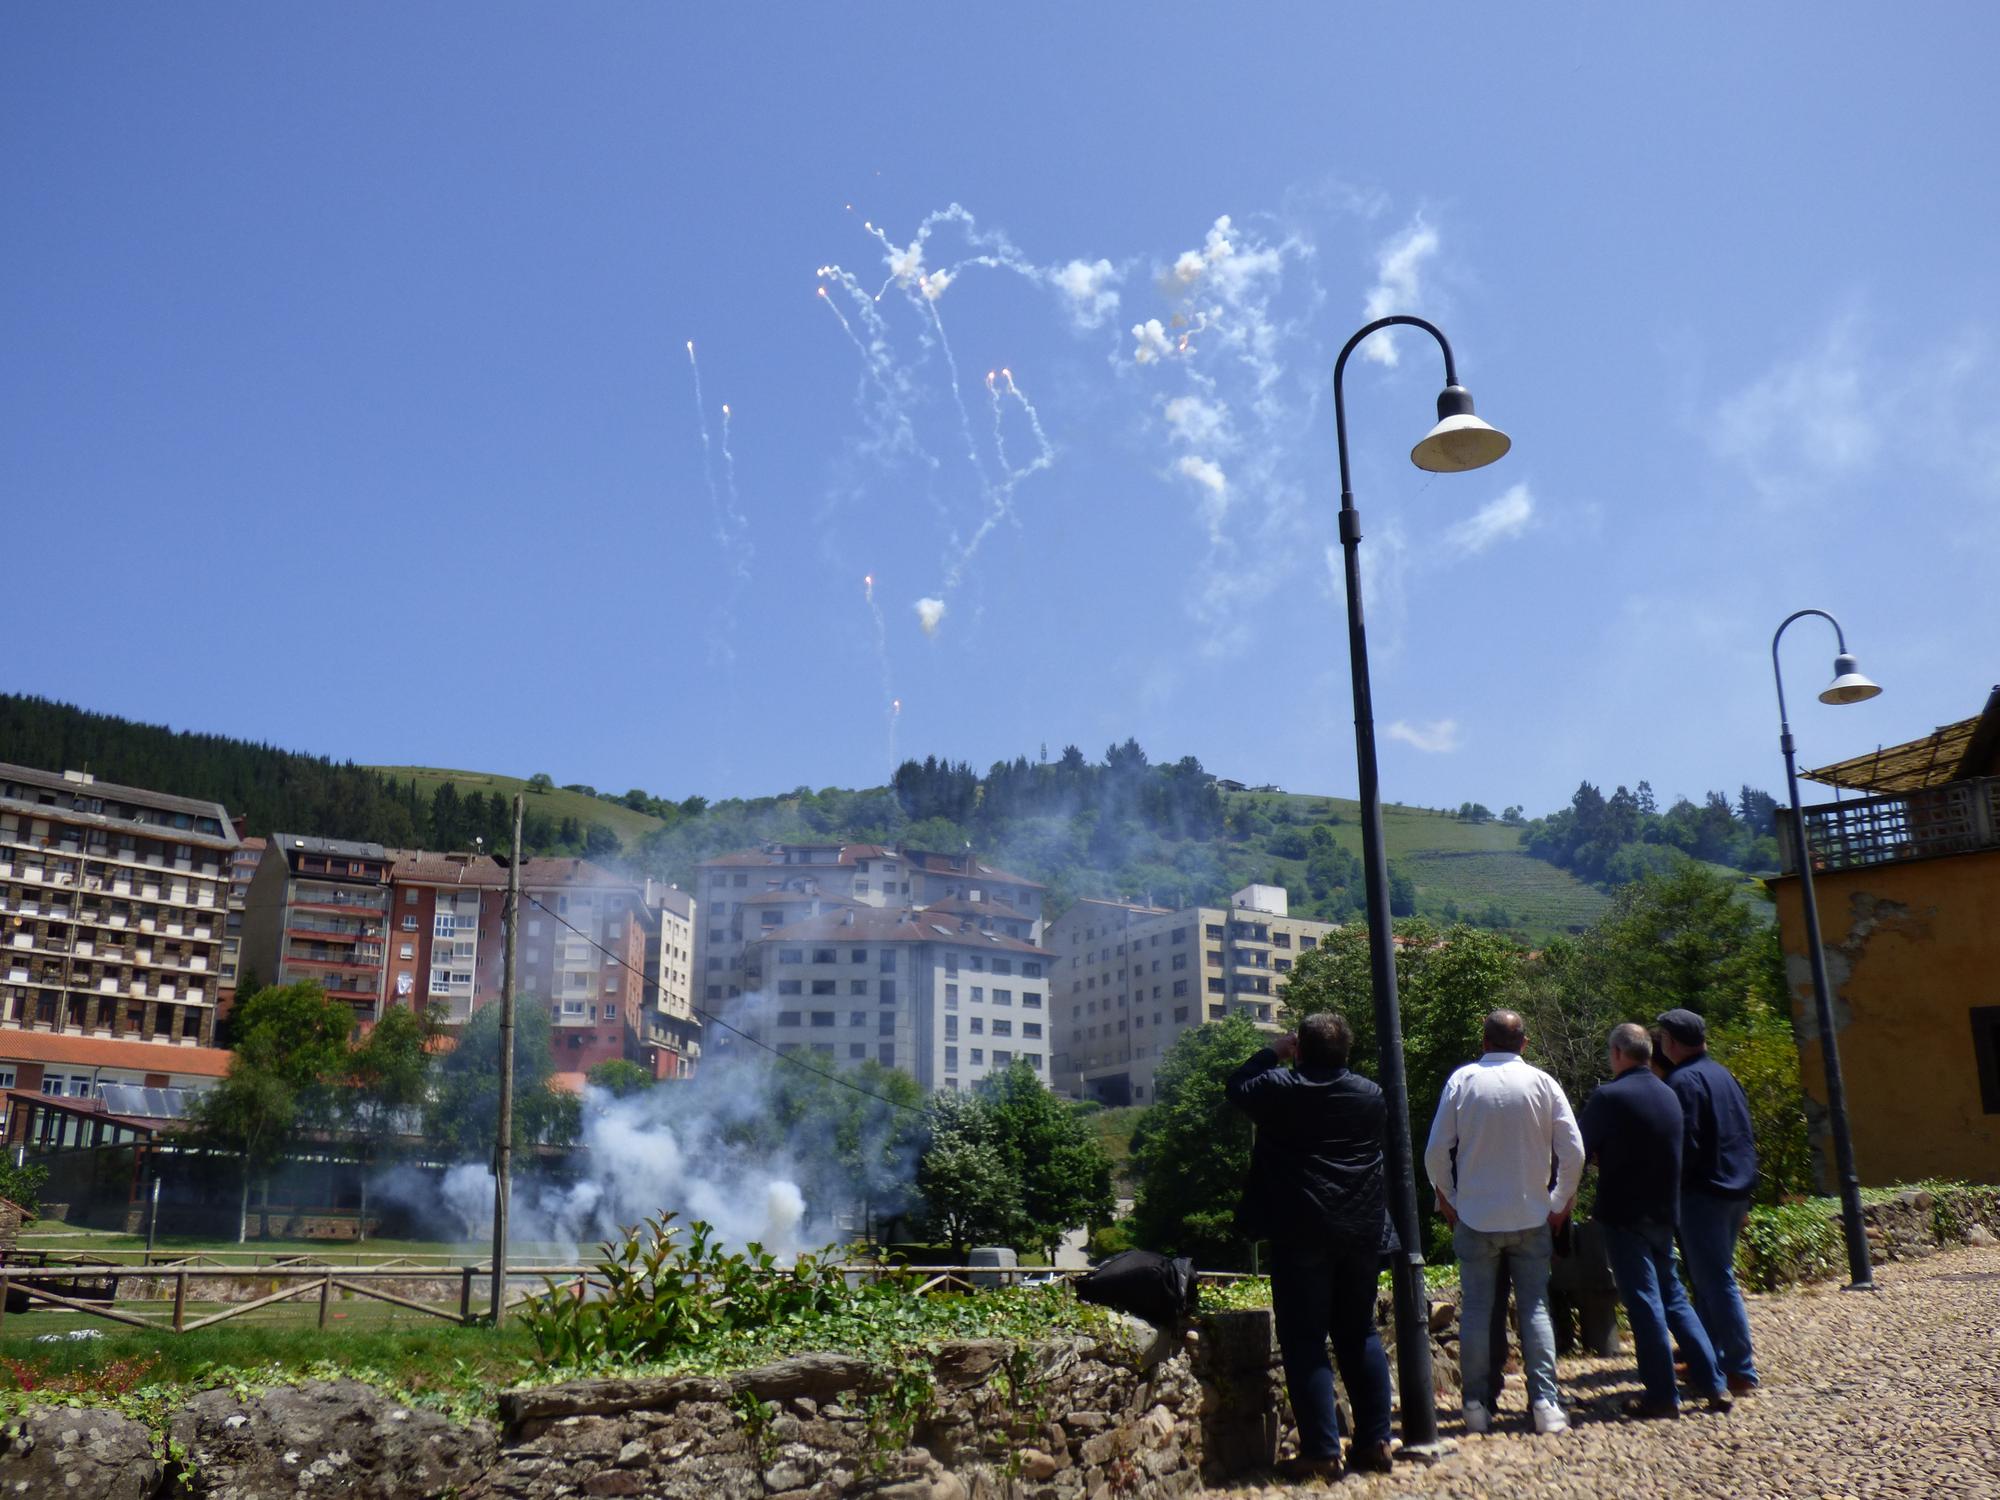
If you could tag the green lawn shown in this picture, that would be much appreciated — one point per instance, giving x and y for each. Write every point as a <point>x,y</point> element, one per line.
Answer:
<point>630,826</point>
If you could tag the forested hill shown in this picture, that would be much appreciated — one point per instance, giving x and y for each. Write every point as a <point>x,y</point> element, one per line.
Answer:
<point>1124,826</point>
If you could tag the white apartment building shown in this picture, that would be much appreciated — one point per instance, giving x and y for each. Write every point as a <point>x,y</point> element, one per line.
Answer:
<point>947,998</point>
<point>750,893</point>
<point>1127,981</point>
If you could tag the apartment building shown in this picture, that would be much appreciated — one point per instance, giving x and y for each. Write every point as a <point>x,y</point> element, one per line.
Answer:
<point>1128,980</point>
<point>242,870</point>
<point>112,904</point>
<point>750,893</point>
<point>671,1045</point>
<point>448,932</point>
<point>941,997</point>
<point>319,909</point>
<point>583,955</point>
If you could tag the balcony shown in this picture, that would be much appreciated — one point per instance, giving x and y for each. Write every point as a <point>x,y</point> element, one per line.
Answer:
<point>1961,817</point>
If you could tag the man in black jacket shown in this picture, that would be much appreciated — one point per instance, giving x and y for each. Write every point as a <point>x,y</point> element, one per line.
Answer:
<point>1316,1192</point>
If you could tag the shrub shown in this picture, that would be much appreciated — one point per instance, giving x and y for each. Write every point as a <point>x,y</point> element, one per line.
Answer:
<point>1790,1242</point>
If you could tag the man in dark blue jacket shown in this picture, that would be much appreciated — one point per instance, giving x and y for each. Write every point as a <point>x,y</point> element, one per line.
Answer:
<point>1632,1129</point>
<point>1317,1193</point>
<point>1718,1174</point>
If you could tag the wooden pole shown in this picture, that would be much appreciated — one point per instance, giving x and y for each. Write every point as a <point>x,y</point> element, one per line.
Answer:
<point>180,1299</point>
<point>503,1145</point>
<point>325,1296</point>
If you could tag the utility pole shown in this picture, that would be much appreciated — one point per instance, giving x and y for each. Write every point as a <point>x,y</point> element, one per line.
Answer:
<point>503,1145</point>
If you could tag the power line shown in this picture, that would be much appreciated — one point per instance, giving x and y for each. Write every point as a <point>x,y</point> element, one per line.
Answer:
<point>715,1020</point>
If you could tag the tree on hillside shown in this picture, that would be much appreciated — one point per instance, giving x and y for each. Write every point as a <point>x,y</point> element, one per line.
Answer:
<point>541,782</point>
<point>290,1049</point>
<point>601,842</point>
<point>1062,1167</point>
<point>463,1112</point>
<point>1681,939</point>
<point>970,1194</point>
<point>1191,1151</point>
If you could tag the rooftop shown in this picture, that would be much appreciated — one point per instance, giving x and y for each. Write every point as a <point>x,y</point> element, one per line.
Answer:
<point>420,867</point>
<point>107,1052</point>
<point>306,843</point>
<point>81,783</point>
<point>1952,752</point>
<point>868,924</point>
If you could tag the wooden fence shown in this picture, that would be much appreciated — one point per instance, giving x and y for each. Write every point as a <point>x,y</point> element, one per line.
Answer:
<point>33,1283</point>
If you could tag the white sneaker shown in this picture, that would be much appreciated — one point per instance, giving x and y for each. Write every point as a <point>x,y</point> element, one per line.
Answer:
<point>1477,1417</point>
<point>1549,1418</point>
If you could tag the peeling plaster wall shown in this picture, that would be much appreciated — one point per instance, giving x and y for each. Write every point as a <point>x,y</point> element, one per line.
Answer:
<point>1911,949</point>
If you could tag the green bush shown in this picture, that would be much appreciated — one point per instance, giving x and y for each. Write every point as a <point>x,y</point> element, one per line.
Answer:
<point>1113,1239</point>
<point>23,1184</point>
<point>1790,1242</point>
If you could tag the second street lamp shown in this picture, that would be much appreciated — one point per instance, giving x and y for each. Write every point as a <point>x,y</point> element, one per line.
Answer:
<point>1848,686</point>
<point>1458,442</point>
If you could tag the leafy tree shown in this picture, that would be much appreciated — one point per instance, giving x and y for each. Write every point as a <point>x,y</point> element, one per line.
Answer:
<point>1681,938</point>
<point>290,1049</point>
<point>970,1193</point>
<point>22,1185</point>
<point>1402,894</point>
<point>388,1078</point>
<point>463,1111</point>
<point>619,1077</point>
<point>1064,1172</point>
<point>601,842</point>
<point>541,782</point>
<point>1191,1151</point>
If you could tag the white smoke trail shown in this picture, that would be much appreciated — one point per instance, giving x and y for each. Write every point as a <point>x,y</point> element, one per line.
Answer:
<point>740,547</point>
<point>721,634</point>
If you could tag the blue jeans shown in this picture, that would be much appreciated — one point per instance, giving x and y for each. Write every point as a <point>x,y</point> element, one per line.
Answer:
<point>1709,1226</point>
<point>1642,1260</point>
<point>1527,1253</point>
<point>1322,1291</point>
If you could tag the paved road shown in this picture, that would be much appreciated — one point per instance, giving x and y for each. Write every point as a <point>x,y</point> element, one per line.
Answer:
<point>1891,1394</point>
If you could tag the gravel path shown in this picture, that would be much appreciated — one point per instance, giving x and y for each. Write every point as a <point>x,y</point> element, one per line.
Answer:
<point>1894,1394</point>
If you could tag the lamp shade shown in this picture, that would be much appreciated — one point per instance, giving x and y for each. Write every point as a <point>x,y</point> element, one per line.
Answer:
<point>1460,441</point>
<point>1848,685</point>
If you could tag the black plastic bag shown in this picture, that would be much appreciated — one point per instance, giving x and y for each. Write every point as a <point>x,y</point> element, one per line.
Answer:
<point>1146,1285</point>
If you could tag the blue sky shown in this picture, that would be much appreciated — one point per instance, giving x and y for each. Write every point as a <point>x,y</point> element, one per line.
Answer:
<point>349,404</point>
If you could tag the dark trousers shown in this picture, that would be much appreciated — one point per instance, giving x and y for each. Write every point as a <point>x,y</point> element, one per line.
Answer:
<point>1321,1292</point>
<point>1642,1260</point>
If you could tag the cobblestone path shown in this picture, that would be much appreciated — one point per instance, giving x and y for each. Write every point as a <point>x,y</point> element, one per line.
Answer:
<point>1891,1394</point>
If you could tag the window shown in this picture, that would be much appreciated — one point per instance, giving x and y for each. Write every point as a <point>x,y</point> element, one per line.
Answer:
<point>857,1050</point>
<point>951,994</point>
<point>1986,1055</point>
<point>1215,957</point>
<point>857,986</point>
<point>978,962</point>
<point>1213,931</point>
<point>951,1061</point>
<point>1031,1000</point>
<point>6,1078</point>
<point>978,1026</point>
<point>978,993</point>
<point>791,955</point>
<point>885,961</point>
<point>825,956</point>
<point>886,991</point>
<point>857,1018</point>
<point>885,1054</point>
<point>1003,966</point>
<point>1215,984</point>
<point>1003,997</point>
<point>1031,968</point>
<point>1034,1060</point>
<point>408,950</point>
<point>1180,960</point>
<point>1000,1028</point>
<point>409,924</point>
<point>822,1018</point>
<point>1281,940</point>
<point>1031,1028</point>
<point>978,1056</point>
<point>857,955</point>
<point>1282,965</point>
<point>1002,1059</point>
<point>788,1018</point>
<point>791,987</point>
<point>951,1028</point>
<point>1308,942</point>
<point>410,896</point>
<point>825,986</point>
<point>1180,988</point>
<point>885,1023</point>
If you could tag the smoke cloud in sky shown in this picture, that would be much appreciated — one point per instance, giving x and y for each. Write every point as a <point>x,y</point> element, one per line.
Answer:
<point>930,614</point>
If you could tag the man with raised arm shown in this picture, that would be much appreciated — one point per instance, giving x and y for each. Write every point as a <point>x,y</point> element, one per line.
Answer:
<point>1498,1124</point>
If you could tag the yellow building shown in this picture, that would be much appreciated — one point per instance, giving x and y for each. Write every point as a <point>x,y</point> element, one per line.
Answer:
<point>1908,878</point>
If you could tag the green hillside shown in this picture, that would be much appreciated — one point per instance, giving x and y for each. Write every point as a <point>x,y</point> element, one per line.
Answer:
<point>555,805</point>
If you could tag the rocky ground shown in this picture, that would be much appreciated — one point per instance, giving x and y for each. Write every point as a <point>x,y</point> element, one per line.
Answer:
<point>1891,1394</point>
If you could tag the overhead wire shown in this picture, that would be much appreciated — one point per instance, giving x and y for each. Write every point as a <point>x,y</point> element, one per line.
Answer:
<point>715,1020</point>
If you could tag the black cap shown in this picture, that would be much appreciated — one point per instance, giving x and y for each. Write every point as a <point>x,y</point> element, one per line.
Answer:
<point>1685,1027</point>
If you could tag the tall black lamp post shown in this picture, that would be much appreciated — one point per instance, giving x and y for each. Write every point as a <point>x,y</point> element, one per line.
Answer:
<point>1848,686</point>
<point>1460,441</point>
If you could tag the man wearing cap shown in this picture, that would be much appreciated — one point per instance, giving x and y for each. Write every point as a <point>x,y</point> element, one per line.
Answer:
<point>1718,1172</point>
<point>1633,1130</point>
<point>1498,1123</point>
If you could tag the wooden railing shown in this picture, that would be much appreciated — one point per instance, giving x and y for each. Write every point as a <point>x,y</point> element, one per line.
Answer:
<point>1961,817</point>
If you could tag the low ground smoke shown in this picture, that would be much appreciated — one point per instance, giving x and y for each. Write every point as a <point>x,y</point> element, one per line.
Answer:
<point>703,1149</point>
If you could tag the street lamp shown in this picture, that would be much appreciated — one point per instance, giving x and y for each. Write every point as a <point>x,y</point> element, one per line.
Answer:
<point>1460,441</point>
<point>1848,686</point>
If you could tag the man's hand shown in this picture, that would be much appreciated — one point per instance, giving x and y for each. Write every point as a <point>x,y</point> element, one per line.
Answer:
<point>1560,1217</point>
<point>1444,1207</point>
<point>1286,1046</point>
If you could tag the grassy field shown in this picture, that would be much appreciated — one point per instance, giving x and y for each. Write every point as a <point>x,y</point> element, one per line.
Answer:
<point>630,826</point>
<point>1469,865</point>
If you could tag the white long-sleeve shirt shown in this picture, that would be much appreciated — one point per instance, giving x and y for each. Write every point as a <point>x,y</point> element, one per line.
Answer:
<point>1506,1119</point>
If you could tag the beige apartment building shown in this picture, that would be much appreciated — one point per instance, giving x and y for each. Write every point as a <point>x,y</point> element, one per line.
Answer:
<point>946,997</point>
<point>1127,981</point>
<point>751,893</point>
<point>112,906</point>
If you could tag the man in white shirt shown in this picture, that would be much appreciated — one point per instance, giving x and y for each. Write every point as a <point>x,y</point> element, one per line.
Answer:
<point>1499,1125</point>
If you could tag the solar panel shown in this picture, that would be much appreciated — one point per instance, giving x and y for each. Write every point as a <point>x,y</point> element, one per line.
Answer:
<point>139,1103</point>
